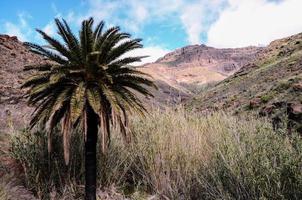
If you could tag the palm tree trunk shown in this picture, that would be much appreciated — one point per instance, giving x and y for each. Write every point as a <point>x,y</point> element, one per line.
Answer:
<point>90,155</point>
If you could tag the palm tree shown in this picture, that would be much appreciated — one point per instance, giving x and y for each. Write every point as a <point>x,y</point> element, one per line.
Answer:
<point>87,83</point>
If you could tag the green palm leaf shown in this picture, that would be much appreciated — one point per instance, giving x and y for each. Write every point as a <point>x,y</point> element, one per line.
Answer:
<point>77,102</point>
<point>87,74</point>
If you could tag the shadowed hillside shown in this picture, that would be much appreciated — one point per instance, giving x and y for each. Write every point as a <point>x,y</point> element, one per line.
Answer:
<point>270,83</point>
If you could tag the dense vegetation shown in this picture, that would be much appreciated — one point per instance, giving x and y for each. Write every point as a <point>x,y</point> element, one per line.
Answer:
<point>175,154</point>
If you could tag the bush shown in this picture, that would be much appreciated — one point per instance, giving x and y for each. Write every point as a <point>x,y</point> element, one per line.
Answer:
<point>47,172</point>
<point>179,155</point>
<point>266,98</point>
<point>188,156</point>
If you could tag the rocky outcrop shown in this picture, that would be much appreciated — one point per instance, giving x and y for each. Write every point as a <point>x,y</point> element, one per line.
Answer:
<point>13,56</point>
<point>200,64</point>
<point>284,113</point>
<point>226,61</point>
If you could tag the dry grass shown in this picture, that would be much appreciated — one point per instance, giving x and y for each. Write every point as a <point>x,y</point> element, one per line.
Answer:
<point>10,189</point>
<point>176,154</point>
<point>183,155</point>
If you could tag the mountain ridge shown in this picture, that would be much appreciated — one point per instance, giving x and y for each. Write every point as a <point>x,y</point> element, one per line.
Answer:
<point>269,86</point>
<point>174,73</point>
<point>199,64</point>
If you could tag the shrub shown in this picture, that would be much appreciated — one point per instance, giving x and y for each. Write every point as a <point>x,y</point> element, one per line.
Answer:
<point>46,172</point>
<point>189,156</point>
<point>179,155</point>
<point>266,98</point>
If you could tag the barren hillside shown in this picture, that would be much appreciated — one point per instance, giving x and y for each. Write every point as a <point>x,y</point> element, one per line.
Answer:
<point>200,64</point>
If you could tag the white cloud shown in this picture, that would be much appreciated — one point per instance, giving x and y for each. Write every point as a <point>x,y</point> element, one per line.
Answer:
<point>194,15</point>
<point>196,18</point>
<point>154,52</point>
<point>192,22</point>
<point>131,14</point>
<point>256,22</point>
<point>14,30</point>
<point>140,13</point>
<point>19,29</point>
<point>50,28</point>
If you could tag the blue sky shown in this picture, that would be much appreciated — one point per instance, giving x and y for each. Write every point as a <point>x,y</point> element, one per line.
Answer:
<point>164,25</point>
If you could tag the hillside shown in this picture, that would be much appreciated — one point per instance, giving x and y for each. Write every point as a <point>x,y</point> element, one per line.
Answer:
<point>258,79</point>
<point>200,64</point>
<point>173,74</point>
<point>273,81</point>
<point>13,57</point>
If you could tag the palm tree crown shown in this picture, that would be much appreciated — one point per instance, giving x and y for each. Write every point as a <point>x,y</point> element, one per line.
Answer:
<point>89,72</point>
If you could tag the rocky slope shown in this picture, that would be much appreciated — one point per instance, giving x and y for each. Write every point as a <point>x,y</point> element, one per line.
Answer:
<point>13,57</point>
<point>270,86</point>
<point>200,64</point>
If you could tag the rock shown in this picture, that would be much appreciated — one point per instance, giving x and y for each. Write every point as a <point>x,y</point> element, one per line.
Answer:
<point>296,108</point>
<point>14,38</point>
<point>267,110</point>
<point>11,78</point>
<point>254,103</point>
<point>208,64</point>
<point>294,115</point>
<point>297,87</point>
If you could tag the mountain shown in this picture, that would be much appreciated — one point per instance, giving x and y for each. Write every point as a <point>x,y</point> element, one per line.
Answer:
<point>199,64</point>
<point>241,70</point>
<point>270,85</point>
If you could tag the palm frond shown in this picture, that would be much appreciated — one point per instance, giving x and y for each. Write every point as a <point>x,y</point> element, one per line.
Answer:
<point>127,61</point>
<point>86,37</point>
<point>56,45</point>
<point>70,39</point>
<point>44,52</point>
<point>77,102</point>
<point>38,67</point>
<point>87,75</point>
<point>66,126</point>
<point>94,99</point>
<point>98,31</point>
<point>123,48</point>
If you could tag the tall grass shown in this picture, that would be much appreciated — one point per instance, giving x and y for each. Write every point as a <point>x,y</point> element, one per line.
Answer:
<point>181,154</point>
<point>45,172</point>
<point>176,154</point>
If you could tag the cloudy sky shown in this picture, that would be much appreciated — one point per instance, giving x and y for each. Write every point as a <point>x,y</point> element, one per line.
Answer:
<point>164,25</point>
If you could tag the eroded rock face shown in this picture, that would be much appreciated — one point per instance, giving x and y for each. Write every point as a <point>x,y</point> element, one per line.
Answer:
<point>225,61</point>
<point>200,64</point>
<point>14,113</point>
